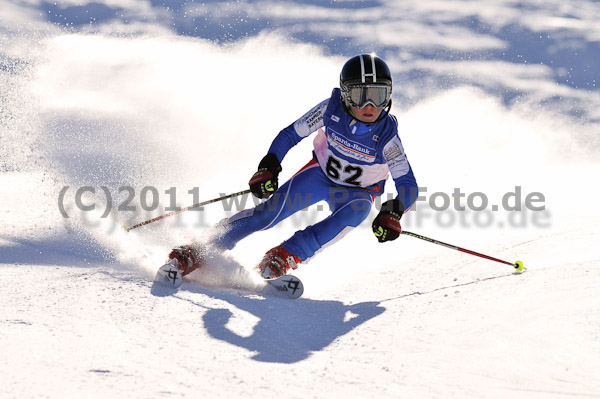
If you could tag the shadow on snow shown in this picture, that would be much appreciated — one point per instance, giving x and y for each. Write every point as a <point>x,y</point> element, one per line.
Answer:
<point>288,331</point>
<point>76,248</point>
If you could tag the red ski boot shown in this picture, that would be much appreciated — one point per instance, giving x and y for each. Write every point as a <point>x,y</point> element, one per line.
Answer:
<point>188,258</point>
<point>277,262</point>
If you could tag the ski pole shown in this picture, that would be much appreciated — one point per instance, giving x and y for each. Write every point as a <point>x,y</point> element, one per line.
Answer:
<point>127,228</point>
<point>518,265</point>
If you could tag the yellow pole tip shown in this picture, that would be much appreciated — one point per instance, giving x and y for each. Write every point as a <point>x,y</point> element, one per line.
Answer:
<point>518,266</point>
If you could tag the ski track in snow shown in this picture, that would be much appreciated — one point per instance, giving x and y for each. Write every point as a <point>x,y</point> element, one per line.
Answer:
<point>125,104</point>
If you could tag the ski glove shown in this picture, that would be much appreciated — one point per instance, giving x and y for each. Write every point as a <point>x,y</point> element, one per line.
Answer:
<point>386,225</point>
<point>264,182</point>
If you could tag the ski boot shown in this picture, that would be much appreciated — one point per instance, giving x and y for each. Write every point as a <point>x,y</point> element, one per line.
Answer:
<point>277,262</point>
<point>182,261</point>
<point>188,258</point>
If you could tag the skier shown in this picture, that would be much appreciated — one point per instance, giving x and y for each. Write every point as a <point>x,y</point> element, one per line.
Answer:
<point>356,147</point>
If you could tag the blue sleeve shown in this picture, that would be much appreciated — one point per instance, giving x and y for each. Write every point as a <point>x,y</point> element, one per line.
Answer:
<point>301,128</point>
<point>407,188</point>
<point>285,140</point>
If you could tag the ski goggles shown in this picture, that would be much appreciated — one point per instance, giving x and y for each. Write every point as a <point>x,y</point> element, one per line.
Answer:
<point>359,96</point>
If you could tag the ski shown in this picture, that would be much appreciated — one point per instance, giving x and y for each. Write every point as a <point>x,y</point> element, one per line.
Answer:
<point>169,275</point>
<point>285,286</point>
<point>288,286</point>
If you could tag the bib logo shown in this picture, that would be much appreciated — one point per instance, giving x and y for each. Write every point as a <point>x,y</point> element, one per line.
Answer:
<point>350,148</point>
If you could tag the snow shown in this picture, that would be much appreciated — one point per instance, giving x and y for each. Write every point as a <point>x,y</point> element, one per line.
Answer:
<point>130,104</point>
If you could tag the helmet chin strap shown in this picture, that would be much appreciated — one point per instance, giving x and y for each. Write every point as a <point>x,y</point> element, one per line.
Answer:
<point>381,116</point>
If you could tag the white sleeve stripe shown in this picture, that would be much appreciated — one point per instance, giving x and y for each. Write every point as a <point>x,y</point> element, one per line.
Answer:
<point>312,120</point>
<point>394,156</point>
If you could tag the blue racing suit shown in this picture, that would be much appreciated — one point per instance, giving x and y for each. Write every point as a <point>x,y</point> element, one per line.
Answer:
<point>350,165</point>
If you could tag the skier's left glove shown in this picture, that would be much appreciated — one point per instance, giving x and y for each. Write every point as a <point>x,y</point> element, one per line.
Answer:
<point>386,225</point>
<point>264,182</point>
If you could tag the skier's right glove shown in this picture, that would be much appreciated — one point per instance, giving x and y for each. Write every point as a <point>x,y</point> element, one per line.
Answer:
<point>386,225</point>
<point>264,182</point>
